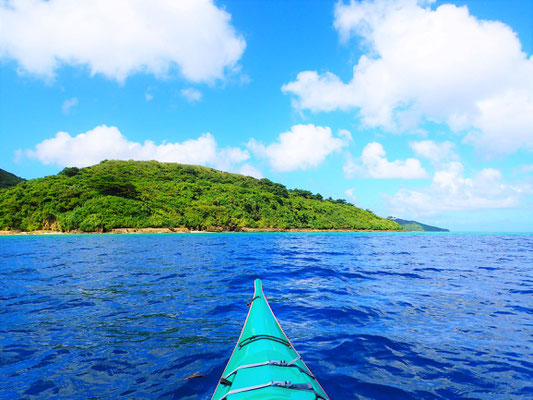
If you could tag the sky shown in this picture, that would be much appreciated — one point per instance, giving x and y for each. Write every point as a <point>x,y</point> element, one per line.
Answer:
<point>415,109</point>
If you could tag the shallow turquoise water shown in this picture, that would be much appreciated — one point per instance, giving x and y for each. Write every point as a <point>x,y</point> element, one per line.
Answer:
<point>375,316</point>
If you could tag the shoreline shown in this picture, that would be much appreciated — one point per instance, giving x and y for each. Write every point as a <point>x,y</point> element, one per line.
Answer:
<point>184,230</point>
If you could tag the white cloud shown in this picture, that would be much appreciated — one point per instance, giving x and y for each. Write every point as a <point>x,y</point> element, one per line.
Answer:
<point>526,169</point>
<point>351,196</point>
<point>68,104</point>
<point>257,148</point>
<point>435,152</point>
<point>374,164</point>
<point>250,170</point>
<point>120,37</point>
<point>303,147</point>
<point>441,65</point>
<point>148,96</point>
<point>191,94</point>
<point>324,92</point>
<point>351,168</point>
<point>226,158</point>
<point>346,134</point>
<point>107,142</point>
<point>505,123</point>
<point>451,191</point>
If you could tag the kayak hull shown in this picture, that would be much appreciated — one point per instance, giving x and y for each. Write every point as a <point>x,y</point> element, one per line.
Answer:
<point>264,364</point>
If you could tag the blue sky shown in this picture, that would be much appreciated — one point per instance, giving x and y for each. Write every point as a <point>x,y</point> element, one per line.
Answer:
<point>419,110</point>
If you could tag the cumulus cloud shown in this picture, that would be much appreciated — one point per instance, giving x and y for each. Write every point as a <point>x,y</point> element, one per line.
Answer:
<point>120,37</point>
<point>442,65</point>
<point>504,124</point>
<point>321,92</point>
<point>351,196</point>
<point>345,134</point>
<point>450,190</point>
<point>435,152</point>
<point>303,147</point>
<point>374,164</point>
<point>68,104</point>
<point>107,142</point>
<point>192,95</point>
<point>226,158</point>
<point>250,170</point>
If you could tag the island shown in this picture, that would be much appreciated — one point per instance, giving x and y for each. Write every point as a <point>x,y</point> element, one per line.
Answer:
<point>124,196</point>
<point>414,226</point>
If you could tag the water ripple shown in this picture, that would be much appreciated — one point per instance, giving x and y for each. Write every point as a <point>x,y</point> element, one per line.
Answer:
<point>375,316</point>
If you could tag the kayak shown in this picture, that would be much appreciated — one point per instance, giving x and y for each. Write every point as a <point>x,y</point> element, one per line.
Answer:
<point>264,364</point>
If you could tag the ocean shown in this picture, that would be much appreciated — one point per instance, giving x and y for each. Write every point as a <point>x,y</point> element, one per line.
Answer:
<point>374,315</point>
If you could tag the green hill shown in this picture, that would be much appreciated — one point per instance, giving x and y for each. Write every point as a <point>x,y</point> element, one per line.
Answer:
<point>414,226</point>
<point>7,179</point>
<point>138,194</point>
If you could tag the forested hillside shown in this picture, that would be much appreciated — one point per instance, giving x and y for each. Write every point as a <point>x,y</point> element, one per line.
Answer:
<point>139,194</point>
<point>414,226</point>
<point>7,179</point>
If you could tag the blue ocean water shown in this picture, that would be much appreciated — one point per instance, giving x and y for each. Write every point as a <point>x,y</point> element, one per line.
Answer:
<point>375,316</point>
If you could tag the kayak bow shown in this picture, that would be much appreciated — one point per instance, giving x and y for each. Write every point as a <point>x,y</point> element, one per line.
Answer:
<point>264,364</point>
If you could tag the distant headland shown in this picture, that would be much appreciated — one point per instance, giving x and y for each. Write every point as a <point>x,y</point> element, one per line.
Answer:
<point>414,226</point>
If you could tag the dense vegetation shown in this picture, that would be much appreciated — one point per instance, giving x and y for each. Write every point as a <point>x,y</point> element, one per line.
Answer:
<point>414,226</point>
<point>136,194</point>
<point>7,179</point>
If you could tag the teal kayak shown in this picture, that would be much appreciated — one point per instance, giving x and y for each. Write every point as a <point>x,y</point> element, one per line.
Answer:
<point>264,364</point>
